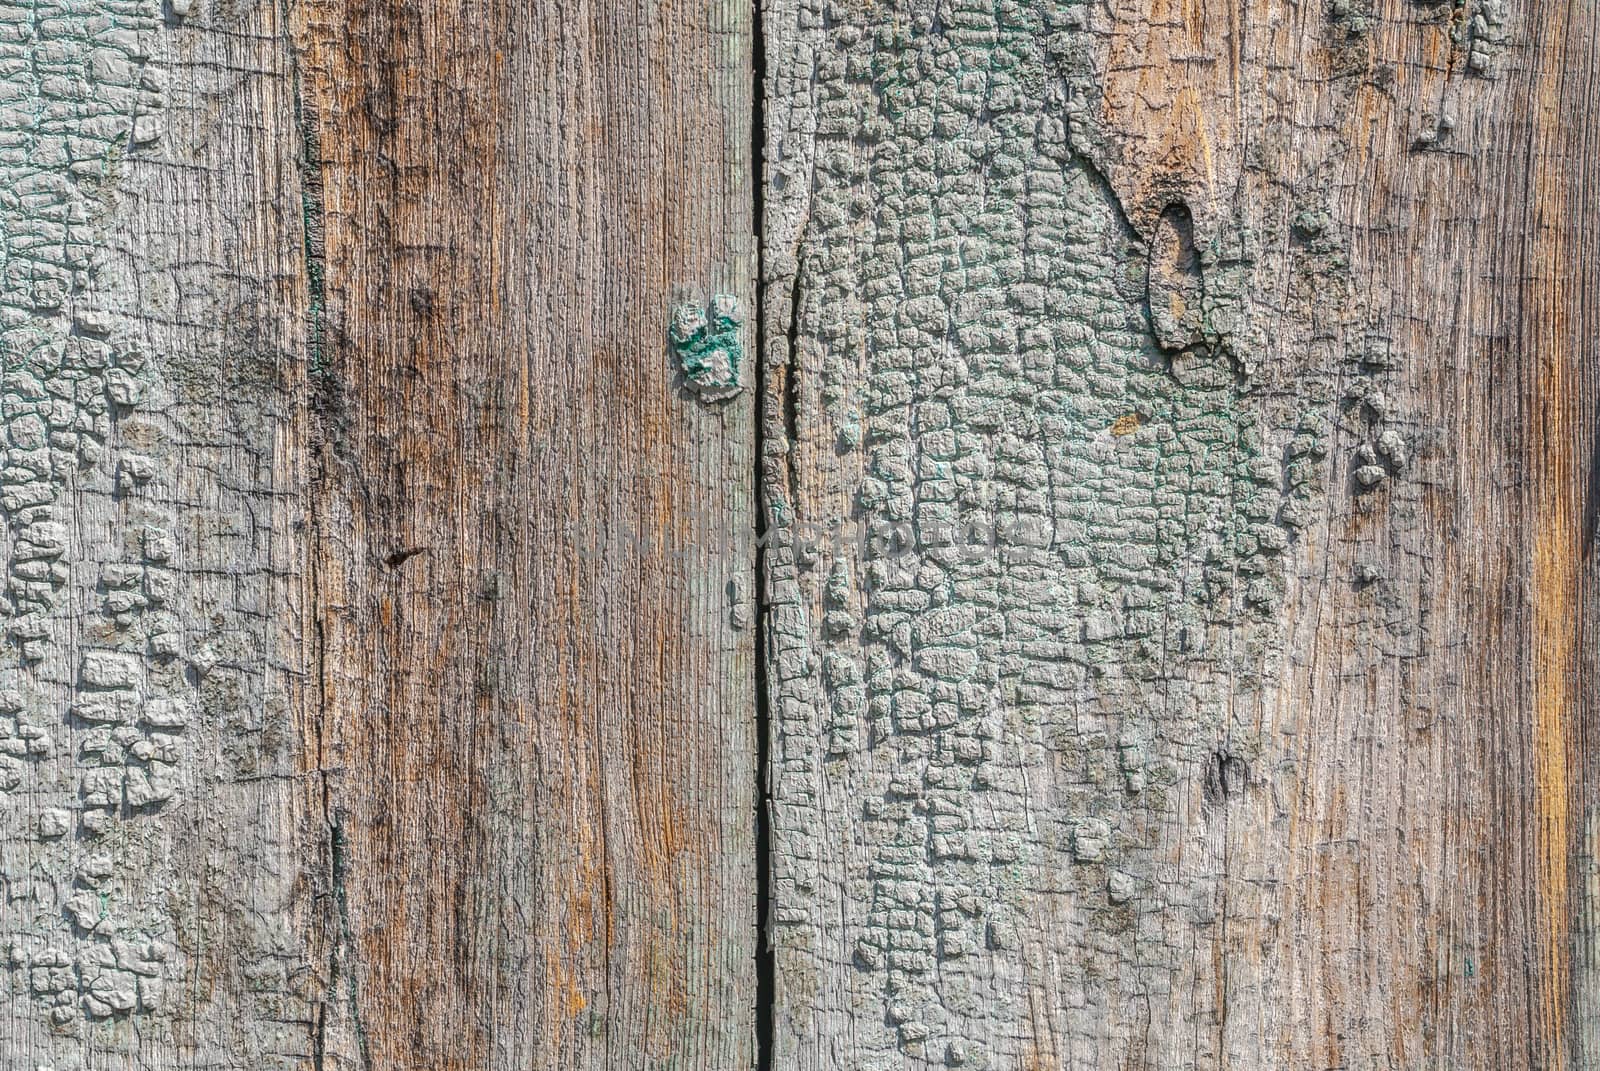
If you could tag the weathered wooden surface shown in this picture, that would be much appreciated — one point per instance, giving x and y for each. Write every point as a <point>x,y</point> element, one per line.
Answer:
<point>536,706</point>
<point>1245,355</point>
<point>1176,438</point>
<point>380,665</point>
<point>151,313</point>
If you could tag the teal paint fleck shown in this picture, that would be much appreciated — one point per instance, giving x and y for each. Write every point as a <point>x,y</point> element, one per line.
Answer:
<point>708,346</point>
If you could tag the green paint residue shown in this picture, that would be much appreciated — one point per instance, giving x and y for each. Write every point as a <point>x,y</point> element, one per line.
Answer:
<point>708,346</point>
<point>312,213</point>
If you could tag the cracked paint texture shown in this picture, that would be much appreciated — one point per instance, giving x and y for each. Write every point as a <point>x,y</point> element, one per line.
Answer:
<point>142,711</point>
<point>1010,717</point>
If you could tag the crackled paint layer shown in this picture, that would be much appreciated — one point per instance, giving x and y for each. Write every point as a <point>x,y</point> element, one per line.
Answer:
<point>134,683</point>
<point>1011,703</point>
<point>1206,612</point>
<point>96,716</point>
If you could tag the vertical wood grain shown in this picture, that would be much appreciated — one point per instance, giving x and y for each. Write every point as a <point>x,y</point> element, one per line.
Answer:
<point>532,558</point>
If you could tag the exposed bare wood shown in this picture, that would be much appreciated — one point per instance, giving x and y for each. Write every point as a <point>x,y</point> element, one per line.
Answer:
<point>537,704</point>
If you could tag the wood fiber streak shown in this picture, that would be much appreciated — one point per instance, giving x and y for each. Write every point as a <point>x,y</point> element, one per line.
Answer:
<point>1275,321</point>
<point>532,543</point>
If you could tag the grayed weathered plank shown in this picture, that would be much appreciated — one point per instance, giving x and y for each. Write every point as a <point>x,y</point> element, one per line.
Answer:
<point>1244,356</point>
<point>152,304</point>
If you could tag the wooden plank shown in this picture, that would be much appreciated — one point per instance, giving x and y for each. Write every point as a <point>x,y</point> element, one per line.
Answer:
<point>152,312</point>
<point>1250,350</point>
<point>380,677</point>
<point>532,561</point>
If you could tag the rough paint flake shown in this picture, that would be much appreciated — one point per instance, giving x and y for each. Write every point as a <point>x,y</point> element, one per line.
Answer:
<point>709,346</point>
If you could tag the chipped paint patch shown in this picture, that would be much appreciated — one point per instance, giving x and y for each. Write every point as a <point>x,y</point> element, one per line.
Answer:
<point>709,347</point>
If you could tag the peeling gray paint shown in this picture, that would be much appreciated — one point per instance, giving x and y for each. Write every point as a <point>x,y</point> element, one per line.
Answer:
<point>980,745</point>
<point>135,688</point>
